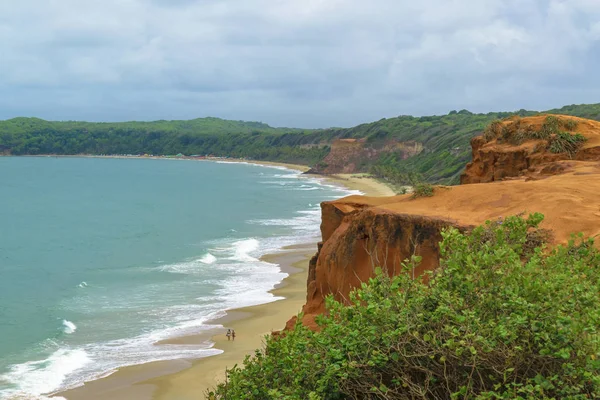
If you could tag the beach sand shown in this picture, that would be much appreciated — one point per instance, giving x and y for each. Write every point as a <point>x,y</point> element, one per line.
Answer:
<point>364,183</point>
<point>190,379</point>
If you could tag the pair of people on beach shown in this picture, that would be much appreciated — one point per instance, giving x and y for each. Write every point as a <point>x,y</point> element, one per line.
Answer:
<point>230,334</point>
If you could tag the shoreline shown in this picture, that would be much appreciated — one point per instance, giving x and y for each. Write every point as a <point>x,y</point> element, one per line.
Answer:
<point>183,379</point>
<point>189,379</point>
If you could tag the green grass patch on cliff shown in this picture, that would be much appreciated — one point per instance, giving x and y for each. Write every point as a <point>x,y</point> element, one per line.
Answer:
<point>422,190</point>
<point>564,142</point>
<point>503,318</point>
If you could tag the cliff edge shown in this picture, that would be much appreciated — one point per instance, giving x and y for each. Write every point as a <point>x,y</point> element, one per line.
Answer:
<point>529,173</point>
<point>533,147</point>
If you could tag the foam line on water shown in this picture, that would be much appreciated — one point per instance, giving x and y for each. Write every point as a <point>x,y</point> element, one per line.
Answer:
<point>279,167</point>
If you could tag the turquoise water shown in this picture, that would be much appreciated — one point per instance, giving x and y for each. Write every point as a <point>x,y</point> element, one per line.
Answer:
<point>101,258</point>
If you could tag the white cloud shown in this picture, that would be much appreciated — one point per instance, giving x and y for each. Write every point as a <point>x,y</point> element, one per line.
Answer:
<point>292,62</point>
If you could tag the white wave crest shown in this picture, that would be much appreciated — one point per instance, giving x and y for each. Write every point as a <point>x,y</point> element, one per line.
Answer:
<point>287,176</point>
<point>34,378</point>
<point>243,248</point>
<point>305,188</point>
<point>83,284</point>
<point>68,327</point>
<point>208,259</point>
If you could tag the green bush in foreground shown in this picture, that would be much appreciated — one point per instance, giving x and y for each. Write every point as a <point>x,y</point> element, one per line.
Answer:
<point>502,319</point>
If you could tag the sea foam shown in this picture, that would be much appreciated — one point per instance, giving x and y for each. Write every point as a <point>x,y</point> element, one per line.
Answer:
<point>68,327</point>
<point>34,378</point>
<point>243,248</point>
<point>208,259</point>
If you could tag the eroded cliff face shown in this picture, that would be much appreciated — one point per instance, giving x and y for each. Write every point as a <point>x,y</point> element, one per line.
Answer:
<point>498,158</point>
<point>352,155</point>
<point>360,233</point>
<point>357,239</point>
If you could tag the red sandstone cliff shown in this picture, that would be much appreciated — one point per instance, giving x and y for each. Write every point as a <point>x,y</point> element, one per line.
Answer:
<point>499,158</point>
<point>350,155</point>
<point>359,233</point>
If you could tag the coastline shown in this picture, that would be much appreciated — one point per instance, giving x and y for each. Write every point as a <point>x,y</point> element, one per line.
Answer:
<point>183,379</point>
<point>189,379</point>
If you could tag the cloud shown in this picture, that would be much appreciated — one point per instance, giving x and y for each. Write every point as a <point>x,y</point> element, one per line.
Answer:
<point>310,63</point>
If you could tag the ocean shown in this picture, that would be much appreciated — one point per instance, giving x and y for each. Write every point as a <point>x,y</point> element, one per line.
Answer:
<point>100,258</point>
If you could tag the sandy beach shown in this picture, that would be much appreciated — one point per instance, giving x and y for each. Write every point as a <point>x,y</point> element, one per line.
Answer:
<point>190,379</point>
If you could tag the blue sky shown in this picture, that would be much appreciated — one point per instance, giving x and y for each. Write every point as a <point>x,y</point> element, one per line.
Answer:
<point>301,63</point>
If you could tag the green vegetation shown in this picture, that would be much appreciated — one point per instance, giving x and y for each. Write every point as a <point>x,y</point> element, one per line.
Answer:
<point>503,318</point>
<point>493,130</point>
<point>564,142</point>
<point>516,132</point>
<point>550,127</point>
<point>422,190</point>
<point>557,141</point>
<point>204,136</point>
<point>445,140</point>
<point>570,124</point>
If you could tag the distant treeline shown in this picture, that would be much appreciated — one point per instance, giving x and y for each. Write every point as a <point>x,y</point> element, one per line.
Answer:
<point>445,139</point>
<point>204,136</point>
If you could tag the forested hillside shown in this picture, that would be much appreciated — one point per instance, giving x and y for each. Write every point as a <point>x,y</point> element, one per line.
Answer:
<point>445,140</point>
<point>203,136</point>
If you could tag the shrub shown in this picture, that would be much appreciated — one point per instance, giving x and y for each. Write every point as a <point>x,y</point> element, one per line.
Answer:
<point>498,320</point>
<point>564,142</point>
<point>519,136</point>
<point>570,124</point>
<point>422,190</point>
<point>550,127</point>
<point>493,130</point>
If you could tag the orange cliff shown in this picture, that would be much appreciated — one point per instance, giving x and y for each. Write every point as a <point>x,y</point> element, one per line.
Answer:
<point>499,158</point>
<point>360,233</point>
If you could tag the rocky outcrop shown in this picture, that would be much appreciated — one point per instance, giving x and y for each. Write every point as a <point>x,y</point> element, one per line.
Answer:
<point>361,233</point>
<point>352,155</point>
<point>498,158</point>
<point>357,239</point>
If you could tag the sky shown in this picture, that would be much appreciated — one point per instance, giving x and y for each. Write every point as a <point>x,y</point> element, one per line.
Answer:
<point>294,63</point>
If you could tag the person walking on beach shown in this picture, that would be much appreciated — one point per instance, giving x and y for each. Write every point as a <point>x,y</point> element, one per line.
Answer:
<point>228,334</point>
<point>233,334</point>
